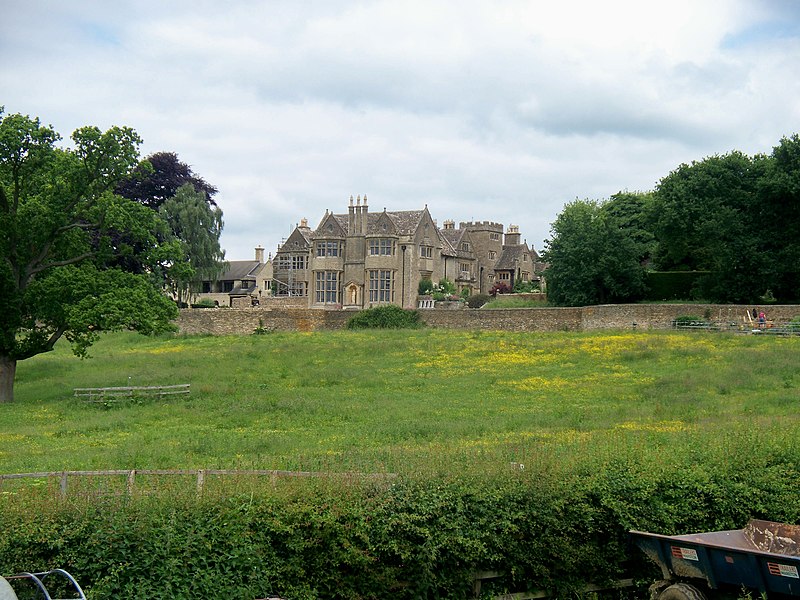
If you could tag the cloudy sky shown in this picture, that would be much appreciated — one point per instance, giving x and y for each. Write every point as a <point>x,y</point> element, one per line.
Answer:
<point>499,111</point>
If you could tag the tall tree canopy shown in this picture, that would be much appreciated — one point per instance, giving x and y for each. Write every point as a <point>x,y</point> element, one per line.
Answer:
<point>186,201</point>
<point>732,219</point>
<point>631,212</point>
<point>159,178</point>
<point>736,218</point>
<point>592,258</point>
<point>778,218</point>
<point>196,226</point>
<point>59,273</point>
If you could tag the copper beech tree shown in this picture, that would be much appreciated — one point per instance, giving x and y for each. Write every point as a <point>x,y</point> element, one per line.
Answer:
<point>60,245</point>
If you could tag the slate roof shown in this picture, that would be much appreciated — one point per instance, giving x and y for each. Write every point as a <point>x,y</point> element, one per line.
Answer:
<point>240,269</point>
<point>449,241</point>
<point>508,256</point>
<point>405,222</point>
<point>453,238</point>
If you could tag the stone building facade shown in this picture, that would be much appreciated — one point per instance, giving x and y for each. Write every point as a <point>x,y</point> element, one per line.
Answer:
<point>361,259</point>
<point>242,283</point>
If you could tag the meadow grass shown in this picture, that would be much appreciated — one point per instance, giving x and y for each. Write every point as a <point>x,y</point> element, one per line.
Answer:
<point>409,402</point>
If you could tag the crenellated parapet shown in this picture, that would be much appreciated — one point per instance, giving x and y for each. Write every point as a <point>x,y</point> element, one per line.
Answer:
<point>482,226</point>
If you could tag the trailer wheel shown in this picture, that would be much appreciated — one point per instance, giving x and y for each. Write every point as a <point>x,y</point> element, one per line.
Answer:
<point>681,591</point>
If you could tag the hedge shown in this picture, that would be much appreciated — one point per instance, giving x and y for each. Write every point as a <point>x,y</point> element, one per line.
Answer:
<point>401,538</point>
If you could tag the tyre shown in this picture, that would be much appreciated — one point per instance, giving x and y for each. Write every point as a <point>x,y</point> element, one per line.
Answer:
<point>681,591</point>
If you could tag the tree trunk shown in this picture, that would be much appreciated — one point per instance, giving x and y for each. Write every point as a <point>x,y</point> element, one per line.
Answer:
<point>8,369</point>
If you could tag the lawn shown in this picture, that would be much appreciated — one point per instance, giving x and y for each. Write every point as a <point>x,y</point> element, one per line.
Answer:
<point>529,456</point>
<point>405,401</point>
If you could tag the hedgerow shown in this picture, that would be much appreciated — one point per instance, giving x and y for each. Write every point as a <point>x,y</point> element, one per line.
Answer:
<point>402,538</point>
<point>385,317</point>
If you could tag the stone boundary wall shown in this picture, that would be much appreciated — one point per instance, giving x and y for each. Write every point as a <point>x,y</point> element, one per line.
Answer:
<point>239,321</point>
<point>284,302</point>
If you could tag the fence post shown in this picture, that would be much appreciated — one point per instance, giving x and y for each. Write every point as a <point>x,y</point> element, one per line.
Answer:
<point>63,484</point>
<point>131,481</point>
<point>200,480</point>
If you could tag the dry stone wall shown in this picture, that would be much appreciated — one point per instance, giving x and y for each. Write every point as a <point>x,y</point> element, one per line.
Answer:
<point>227,321</point>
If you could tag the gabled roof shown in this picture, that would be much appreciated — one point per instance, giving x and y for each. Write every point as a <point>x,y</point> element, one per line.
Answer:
<point>241,269</point>
<point>454,237</point>
<point>448,246</point>
<point>339,226</point>
<point>404,221</point>
<point>509,255</point>
<point>300,239</point>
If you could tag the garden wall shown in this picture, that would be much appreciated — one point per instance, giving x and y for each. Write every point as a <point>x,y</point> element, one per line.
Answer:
<point>225,321</point>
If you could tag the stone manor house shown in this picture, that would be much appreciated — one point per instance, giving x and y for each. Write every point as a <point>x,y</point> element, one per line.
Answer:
<point>363,259</point>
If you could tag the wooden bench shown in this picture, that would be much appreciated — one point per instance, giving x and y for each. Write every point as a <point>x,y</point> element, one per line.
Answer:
<point>116,394</point>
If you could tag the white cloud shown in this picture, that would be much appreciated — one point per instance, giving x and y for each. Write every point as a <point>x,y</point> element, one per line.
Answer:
<point>501,111</point>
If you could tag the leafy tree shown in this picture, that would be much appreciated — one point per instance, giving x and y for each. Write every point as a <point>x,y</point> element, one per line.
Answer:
<point>159,178</point>
<point>592,259</point>
<point>166,184</point>
<point>425,287</point>
<point>58,274</point>
<point>632,213</point>
<point>706,218</point>
<point>690,203</point>
<point>778,218</point>
<point>196,227</point>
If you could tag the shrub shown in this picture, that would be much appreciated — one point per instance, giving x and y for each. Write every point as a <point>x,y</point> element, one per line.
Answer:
<point>446,287</point>
<point>385,317</point>
<point>500,288</point>
<point>686,319</point>
<point>261,329</point>
<point>525,287</point>
<point>425,287</point>
<point>689,321</point>
<point>477,300</point>
<point>204,303</point>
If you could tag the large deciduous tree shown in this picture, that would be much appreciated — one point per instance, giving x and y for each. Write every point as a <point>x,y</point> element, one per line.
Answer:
<point>59,267</point>
<point>164,183</point>
<point>707,217</point>
<point>592,258</point>
<point>159,178</point>
<point>778,218</point>
<point>196,226</point>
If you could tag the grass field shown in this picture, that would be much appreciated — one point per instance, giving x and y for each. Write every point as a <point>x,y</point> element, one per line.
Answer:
<point>407,401</point>
<point>670,432</point>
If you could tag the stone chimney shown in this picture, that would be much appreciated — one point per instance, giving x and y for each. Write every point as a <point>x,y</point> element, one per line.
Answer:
<point>364,217</point>
<point>449,224</point>
<point>351,217</point>
<point>259,254</point>
<point>513,236</point>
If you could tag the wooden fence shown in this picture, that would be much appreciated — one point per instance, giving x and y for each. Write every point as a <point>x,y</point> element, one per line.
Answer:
<point>199,475</point>
<point>113,394</point>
